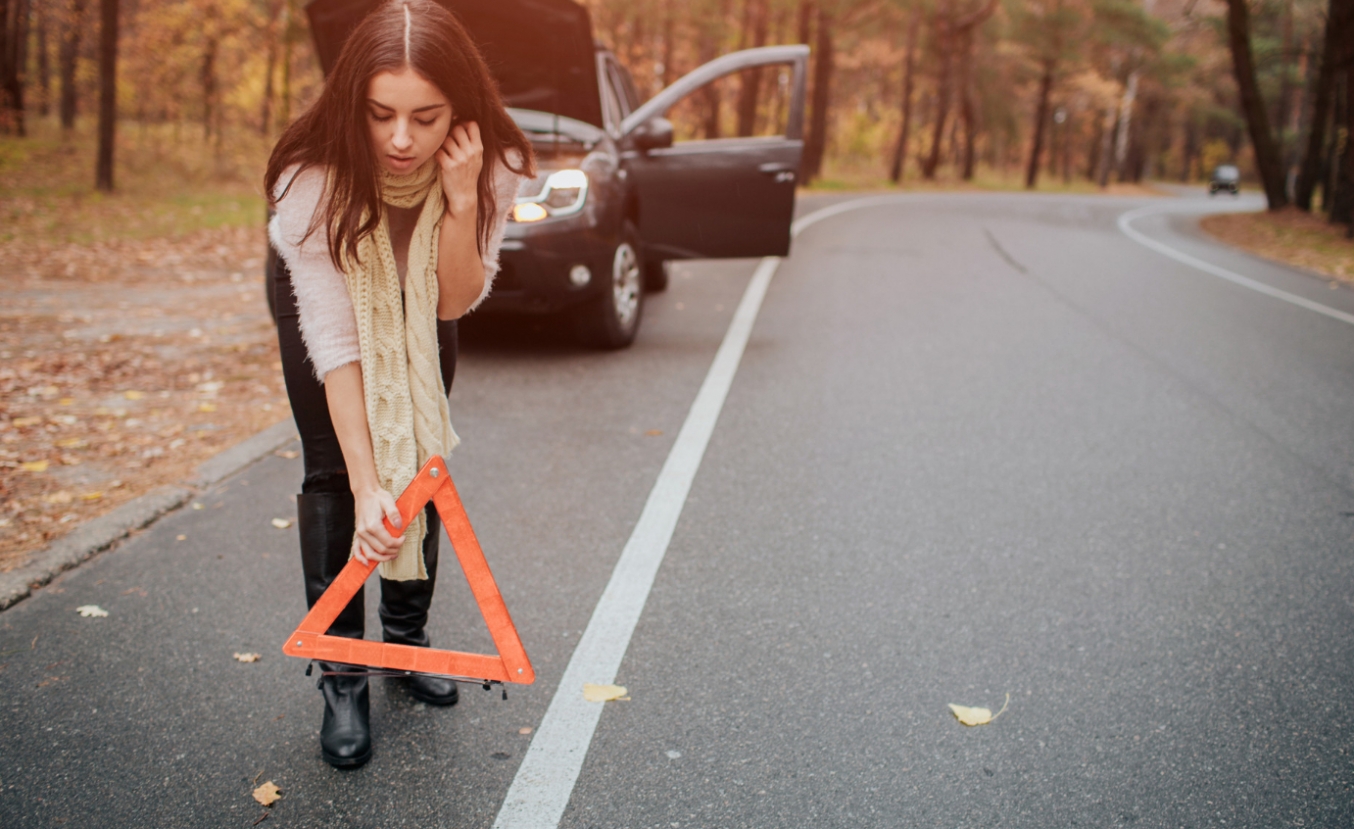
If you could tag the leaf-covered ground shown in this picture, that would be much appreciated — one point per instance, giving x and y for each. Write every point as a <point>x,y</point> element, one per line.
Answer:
<point>123,365</point>
<point>1289,236</point>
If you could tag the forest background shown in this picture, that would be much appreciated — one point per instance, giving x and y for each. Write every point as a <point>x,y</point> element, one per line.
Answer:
<point>134,341</point>
<point>969,90</point>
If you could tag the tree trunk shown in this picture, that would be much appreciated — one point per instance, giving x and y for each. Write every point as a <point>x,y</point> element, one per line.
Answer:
<point>1342,193</point>
<point>1125,123</point>
<point>1324,81</point>
<point>1040,124</point>
<point>668,23</point>
<point>815,145</point>
<point>705,52</point>
<point>44,62</point>
<point>1093,151</point>
<point>208,79</point>
<point>1191,147</point>
<point>288,35</point>
<point>966,109</point>
<point>266,111</point>
<point>108,101</point>
<point>943,42</point>
<point>1253,105</point>
<point>909,63</point>
<point>749,90</point>
<point>69,55</point>
<point>13,62</point>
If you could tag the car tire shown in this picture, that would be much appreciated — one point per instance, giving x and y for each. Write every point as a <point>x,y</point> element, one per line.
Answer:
<point>611,320</point>
<point>655,276</point>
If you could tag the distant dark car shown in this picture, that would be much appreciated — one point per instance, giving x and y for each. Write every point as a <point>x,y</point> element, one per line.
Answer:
<point>1225,177</point>
<point>616,195</point>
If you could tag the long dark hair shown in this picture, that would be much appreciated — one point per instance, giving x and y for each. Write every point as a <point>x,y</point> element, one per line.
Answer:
<point>333,134</point>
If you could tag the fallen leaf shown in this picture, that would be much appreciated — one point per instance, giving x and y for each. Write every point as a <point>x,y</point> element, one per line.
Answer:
<point>197,505</point>
<point>289,454</point>
<point>524,730</point>
<point>21,422</point>
<point>206,407</point>
<point>67,401</point>
<point>603,693</point>
<point>133,395</point>
<point>653,433</point>
<point>34,466</point>
<point>72,443</point>
<point>181,538</point>
<point>247,657</point>
<point>977,716</point>
<point>62,497</point>
<point>267,794</point>
<point>91,496</point>
<point>88,610</point>
<point>281,523</point>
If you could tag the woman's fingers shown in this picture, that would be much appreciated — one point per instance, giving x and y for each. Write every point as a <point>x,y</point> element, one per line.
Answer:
<point>392,511</point>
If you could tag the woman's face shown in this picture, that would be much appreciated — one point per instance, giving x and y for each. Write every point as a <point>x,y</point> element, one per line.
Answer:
<point>408,117</point>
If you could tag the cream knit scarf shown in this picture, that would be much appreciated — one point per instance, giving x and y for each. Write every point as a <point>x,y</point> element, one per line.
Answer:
<point>401,374</point>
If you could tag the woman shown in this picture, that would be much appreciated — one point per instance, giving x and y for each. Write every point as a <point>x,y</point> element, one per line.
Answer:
<point>391,195</point>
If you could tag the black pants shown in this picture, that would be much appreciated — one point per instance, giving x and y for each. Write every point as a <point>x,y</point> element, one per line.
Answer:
<point>325,469</point>
<point>404,605</point>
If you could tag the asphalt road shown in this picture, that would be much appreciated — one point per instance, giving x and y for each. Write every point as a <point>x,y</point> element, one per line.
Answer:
<point>978,445</point>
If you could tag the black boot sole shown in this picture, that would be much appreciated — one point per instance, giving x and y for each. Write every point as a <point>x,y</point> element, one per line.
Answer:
<point>346,762</point>
<point>449,699</point>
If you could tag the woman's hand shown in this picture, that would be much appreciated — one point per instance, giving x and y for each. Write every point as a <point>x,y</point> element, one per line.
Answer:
<point>372,541</point>
<point>461,156</point>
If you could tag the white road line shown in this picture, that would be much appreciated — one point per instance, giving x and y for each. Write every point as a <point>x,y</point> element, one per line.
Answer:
<point>1125,225</point>
<point>545,780</point>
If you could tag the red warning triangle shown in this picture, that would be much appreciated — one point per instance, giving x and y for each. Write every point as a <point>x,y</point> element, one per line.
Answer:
<point>309,641</point>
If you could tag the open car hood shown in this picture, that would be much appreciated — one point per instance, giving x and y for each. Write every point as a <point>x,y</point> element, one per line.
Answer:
<point>541,52</point>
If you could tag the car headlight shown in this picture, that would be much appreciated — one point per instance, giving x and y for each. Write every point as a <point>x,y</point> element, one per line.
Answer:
<point>561,194</point>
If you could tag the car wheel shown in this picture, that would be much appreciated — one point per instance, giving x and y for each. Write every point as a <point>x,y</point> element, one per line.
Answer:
<point>612,319</point>
<point>655,276</point>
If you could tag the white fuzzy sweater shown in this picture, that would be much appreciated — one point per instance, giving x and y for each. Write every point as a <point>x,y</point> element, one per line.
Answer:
<point>328,324</point>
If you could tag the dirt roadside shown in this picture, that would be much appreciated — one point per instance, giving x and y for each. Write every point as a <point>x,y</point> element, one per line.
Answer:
<point>123,365</point>
<point>1290,237</point>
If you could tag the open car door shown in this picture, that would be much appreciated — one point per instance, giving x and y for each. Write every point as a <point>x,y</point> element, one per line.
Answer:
<point>709,196</point>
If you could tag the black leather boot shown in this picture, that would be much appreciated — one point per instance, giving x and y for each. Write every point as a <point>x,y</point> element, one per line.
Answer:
<point>404,615</point>
<point>325,521</point>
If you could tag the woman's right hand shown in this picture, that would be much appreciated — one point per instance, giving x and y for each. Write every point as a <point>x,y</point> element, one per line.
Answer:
<point>373,542</point>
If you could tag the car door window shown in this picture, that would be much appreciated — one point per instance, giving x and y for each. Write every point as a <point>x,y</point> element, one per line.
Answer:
<point>749,103</point>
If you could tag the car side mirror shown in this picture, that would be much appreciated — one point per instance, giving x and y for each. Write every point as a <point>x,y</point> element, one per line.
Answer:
<point>653,134</point>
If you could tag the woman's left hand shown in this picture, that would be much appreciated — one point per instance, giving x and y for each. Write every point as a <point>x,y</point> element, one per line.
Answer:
<point>461,156</point>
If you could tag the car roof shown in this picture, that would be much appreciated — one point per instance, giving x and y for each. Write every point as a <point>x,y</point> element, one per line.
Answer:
<point>541,52</point>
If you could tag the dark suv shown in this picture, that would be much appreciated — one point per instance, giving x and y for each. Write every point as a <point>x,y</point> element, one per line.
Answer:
<point>618,193</point>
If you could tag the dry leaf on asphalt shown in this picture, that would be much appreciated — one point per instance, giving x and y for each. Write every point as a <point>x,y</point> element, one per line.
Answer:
<point>247,657</point>
<point>524,730</point>
<point>88,610</point>
<point>977,716</point>
<point>281,523</point>
<point>34,466</point>
<point>603,693</point>
<point>267,794</point>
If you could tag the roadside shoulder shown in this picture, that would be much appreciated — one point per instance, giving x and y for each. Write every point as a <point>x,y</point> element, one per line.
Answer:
<point>99,534</point>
